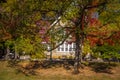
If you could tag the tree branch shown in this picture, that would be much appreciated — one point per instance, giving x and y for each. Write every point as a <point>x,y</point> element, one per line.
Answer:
<point>97,5</point>
<point>105,38</point>
<point>61,42</point>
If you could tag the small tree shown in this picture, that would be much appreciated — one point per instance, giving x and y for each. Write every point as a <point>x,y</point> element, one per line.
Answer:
<point>27,46</point>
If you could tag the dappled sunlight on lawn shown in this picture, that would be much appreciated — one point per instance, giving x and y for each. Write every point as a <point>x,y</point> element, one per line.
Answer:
<point>26,70</point>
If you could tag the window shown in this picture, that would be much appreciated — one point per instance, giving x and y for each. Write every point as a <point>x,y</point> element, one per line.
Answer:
<point>66,47</point>
<point>62,48</point>
<point>58,48</point>
<point>74,46</point>
<point>70,49</point>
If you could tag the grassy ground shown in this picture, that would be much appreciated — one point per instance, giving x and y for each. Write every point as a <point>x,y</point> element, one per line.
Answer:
<point>21,72</point>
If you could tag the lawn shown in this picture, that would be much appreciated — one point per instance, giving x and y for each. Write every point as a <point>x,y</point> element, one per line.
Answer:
<point>12,72</point>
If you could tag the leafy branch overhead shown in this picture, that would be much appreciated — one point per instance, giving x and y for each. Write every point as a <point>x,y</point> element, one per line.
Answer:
<point>30,23</point>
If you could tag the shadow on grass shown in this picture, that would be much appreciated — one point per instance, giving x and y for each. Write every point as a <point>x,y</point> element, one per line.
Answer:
<point>27,69</point>
<point>101,67</point>
<point>30,67</point>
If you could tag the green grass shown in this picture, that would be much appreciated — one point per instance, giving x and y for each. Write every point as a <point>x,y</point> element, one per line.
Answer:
<point>11,73</point>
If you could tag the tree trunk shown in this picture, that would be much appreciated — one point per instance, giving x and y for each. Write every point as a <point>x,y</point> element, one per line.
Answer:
<point>79,40</point>
<point>77,53</point>
<point>7,53</point>
<point>16,56</point>
<point>51,55</point>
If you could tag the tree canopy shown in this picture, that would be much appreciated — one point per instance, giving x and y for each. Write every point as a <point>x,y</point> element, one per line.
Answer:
<point>96,20</point>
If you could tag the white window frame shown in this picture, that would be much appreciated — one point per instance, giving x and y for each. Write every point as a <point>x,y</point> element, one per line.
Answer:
<point>65,47</point>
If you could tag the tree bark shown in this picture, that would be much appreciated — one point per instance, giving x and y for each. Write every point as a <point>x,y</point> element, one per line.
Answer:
<point>77,52</point>
<point>16,54</point>
<point>7,53</point>
<point>51,53</point>
<point>79,24</point>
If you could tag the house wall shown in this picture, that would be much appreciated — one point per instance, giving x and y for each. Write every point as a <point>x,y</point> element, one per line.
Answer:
<point>63,51</point>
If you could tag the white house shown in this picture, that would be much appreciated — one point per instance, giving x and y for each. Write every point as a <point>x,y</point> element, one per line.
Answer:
<point>66,49</point>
